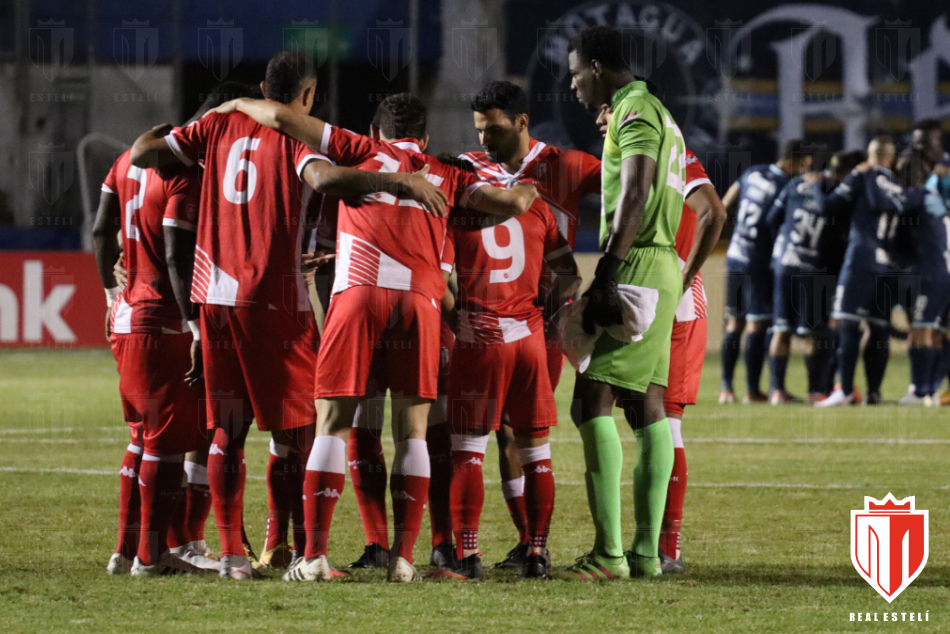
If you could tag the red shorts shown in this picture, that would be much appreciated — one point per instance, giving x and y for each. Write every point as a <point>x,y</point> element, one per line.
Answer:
<point>487,379</point>
<point>391,335</point>
<point>259,364</point>
<point>159,407</point>
<point>555,362</point>
<point>687,353</point>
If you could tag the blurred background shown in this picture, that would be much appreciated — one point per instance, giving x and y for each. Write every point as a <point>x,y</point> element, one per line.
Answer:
<point>79,80</point>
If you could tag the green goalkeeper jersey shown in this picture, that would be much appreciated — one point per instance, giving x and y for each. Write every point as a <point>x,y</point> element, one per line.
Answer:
<point>642,125</point>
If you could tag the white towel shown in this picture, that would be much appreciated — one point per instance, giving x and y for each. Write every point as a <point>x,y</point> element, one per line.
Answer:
<point>638,305</point>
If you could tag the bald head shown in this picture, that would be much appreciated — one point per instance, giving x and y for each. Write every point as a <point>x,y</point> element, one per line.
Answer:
<point>881,152</point>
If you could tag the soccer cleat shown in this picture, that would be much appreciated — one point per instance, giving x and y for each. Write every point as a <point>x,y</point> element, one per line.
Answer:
<point>945,398</point>
<point>280,556</point>
<point>727,397</point>
<point>931,401</point>
<point>119,564</point>
<point>643,567</point>
<point>874,398</point>
<point>200,547</point>
<point>669,565</point>
<point>536,566</point>
<point>911,399</point>
<point>817,397</point>
<point>755,398</point>
<point>167,564</point>
<point>837,399</point>
<point>195,558</point>
<point>237,567</point>
<point>515,558</point>
<point>593,567</point>
<point>782,397</point>
<point>443,556</point>
<point>317,569</point>
<point>374,556</point>
<point>401,571</point>
<point>858,399</point>
<point>467,568</point>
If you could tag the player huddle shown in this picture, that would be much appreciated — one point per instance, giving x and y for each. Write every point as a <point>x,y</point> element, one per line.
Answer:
<point>818,254</point>
<point>453,290</point>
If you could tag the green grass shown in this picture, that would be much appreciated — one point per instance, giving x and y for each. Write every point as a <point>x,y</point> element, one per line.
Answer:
<point>765,535</point>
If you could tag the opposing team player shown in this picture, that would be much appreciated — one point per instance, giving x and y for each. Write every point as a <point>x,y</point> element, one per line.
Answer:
<point>870,282</point>
<point>563,179</point>
<point>256,327</point>
<point>644,166</point>
<point>386,300</point>
<point>500,363</point>
<point>805,276</point>
<point>151,344</point>
<point>749,280</point>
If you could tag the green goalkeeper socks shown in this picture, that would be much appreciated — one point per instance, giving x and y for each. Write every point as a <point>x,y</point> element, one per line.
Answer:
<point>603,456</point>
<point>651,479</point>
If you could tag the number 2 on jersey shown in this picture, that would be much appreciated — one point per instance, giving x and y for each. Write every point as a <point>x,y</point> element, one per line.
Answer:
<point>513,251</point>
<point>135,203</point>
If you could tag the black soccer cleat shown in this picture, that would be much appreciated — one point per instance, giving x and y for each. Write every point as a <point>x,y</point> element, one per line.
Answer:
<point>515,558</point>
<point>443,556</point>
<point>536,566</point>
<point>873,398</point>
<point>669,565</point>
<point>374,556</point>
<point>469,568</point>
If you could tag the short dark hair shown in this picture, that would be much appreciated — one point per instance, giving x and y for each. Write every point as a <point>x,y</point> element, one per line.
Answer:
<point>927,125</point>
<point>601,43</point>
<point>401,116</point>
<point>847,160</point>
<point>796,149</point>
<point>914,169</point>
<point>224,92</point>
<point>504,96</point>
<point>286,74</point>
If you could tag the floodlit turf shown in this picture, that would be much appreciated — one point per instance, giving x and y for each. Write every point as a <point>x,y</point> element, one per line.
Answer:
<point>765,535</point>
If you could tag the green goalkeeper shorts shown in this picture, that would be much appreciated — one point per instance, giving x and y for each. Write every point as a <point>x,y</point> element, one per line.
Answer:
<point>635,365</point>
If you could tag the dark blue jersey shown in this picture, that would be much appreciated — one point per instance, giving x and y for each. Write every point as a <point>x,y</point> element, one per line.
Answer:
<point>751,244</point>
<point>926,229</point>
<point>873,200</point>
<point>798,221</point>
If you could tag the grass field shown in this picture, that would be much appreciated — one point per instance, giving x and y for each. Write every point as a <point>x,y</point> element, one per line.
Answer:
<point>766,532</point>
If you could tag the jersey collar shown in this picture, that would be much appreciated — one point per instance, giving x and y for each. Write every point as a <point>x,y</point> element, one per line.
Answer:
<point>536,148</point>
<point>411,145</point>
<point>622,93</point>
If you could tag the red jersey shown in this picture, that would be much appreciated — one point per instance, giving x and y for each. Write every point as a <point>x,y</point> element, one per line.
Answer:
<point>693,304</point>
<point>387,241</point>
<point>253,203</point>
<point>150,199</point>
<point>563,179</point>
<point>499,268</point>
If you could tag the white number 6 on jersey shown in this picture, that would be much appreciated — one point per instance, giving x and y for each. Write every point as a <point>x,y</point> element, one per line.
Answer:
<point>514,251</point>
<point>236,165</point>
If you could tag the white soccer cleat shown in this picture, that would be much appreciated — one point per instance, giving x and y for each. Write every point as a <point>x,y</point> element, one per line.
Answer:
<point>167,564</point>
<point>196,558</point>
<point>912,400</point>
<point>727,397</point>
<point>836,399</point>
<point>119,564</point>
<point>236,567</point>
<point>317,569</point>
<point>401,571</point>
<point>201,547</point>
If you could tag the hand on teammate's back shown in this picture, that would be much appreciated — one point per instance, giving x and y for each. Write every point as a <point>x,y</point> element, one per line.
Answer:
<point>416,187</point>
<point>603,301</point>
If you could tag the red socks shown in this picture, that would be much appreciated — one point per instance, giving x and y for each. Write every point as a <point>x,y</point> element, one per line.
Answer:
<point>197,501</point>
<point>323,484</point>
<point>513,490</point>
<point>538,492</point>
<point>160,489</point>
<point>409,486</point>
<point>227,473</point>
<point>130,504</point>
<point>673,514</point>
<point>468,490</point>
<point>279,495</point>
<point>368,474</point>
<point>439,441</point>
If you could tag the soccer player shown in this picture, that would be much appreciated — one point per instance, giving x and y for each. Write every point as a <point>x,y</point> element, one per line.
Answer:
<point>696,237</point>
<point>257,330</point>
<point>748,278</point>
<point>500,363</point>
<point>563,179</point>
<point>152,348</point>
<point>804,276</point>
<point>386,297</point>
<point>644,165</point>
<point>870,282</point>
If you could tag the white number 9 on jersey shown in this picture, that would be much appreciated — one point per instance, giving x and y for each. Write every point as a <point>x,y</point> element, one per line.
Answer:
<point>513,251</point>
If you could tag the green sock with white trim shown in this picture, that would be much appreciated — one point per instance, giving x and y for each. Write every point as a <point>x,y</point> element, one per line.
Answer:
<point>651,478</point>
<point>603,456</point>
